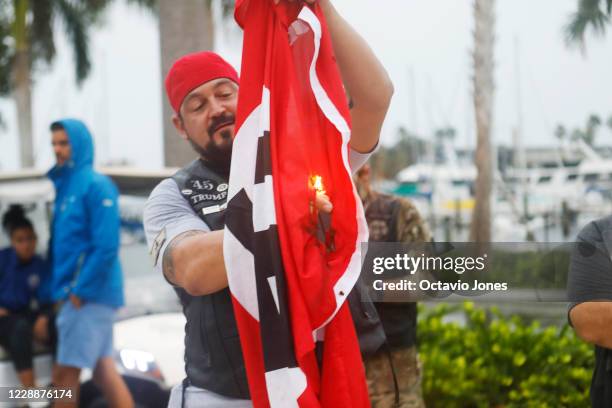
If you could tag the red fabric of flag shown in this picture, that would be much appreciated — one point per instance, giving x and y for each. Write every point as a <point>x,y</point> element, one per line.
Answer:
<point>291,268</point>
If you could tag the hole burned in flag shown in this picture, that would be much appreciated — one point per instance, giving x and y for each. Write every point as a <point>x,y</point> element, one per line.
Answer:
<point>321,207</point>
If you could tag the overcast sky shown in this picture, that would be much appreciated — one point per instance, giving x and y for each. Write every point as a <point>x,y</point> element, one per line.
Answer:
<point>424,44</point>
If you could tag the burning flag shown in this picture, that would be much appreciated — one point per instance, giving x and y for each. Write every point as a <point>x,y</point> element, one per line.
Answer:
<point>290,265</point>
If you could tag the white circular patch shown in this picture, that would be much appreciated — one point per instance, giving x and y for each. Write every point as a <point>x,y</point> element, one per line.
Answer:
<point>187,191</point>
<point>33,281</point>
<point>222,187</point>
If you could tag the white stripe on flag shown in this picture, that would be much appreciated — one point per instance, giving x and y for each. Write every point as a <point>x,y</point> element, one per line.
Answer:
<point>351,274</point>
<point>285,387</point>
<point>264,210</point>
<point>274,290</point>
<point>240,266</point>
<point>245,147</point>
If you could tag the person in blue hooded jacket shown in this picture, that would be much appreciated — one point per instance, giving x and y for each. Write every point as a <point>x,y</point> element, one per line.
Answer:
<point>87,276</point>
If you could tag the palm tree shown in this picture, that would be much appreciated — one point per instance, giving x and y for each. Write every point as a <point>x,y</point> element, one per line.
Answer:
<point>593,123</point>
<point>590,13</point>
<point>577,135</point>
<point>27,31</point>
<point>484,39</point>
<point>184,27</point>
<point>560,132</point>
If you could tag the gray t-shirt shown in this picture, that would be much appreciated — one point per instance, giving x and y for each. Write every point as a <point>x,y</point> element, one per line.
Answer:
<point>167,214</point>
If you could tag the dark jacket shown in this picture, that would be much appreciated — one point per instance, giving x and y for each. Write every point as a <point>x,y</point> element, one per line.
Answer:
<point>21,283</point>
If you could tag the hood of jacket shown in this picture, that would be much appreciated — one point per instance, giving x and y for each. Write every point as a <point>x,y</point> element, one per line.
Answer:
<point>82,149</point>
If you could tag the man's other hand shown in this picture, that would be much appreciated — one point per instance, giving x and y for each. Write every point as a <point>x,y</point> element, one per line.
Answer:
<point>323,203</point>
<point>3,312</point>
<point>76,301</point>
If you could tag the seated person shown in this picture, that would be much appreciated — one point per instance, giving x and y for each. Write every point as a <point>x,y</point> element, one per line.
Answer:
<point>24,295</point>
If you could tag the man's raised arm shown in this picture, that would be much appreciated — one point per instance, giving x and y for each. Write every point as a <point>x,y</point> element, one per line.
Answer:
<point>366,80</point>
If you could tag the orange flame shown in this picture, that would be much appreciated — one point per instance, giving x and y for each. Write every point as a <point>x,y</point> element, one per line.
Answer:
<point>316,182</point>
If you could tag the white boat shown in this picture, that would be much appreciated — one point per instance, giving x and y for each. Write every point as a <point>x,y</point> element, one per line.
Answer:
<point>584,186</point>
<point>524,200</point>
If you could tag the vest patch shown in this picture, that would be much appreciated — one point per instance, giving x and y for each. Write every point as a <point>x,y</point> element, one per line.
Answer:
<point>202,185</point>
<point>213,209</point>
<point>198,198</point>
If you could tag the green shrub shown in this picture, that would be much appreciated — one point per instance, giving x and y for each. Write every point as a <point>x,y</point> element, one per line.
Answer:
<point>494,361</point>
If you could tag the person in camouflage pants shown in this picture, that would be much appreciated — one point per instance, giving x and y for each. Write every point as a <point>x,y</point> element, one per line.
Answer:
<point>396,365</point>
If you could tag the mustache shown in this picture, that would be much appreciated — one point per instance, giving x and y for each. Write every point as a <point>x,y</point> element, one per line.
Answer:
<point>218,122</point>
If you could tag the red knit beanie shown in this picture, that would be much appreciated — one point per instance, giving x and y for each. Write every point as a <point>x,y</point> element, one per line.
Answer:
<point>193,70</point>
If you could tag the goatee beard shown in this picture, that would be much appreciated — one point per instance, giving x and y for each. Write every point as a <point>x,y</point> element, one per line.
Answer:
<point>218,159</point>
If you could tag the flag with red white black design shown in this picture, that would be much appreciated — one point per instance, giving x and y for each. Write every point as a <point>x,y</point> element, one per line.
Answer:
<point>290,266</point>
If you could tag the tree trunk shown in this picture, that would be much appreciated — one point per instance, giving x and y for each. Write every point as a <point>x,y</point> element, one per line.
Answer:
<point>484,39</point>
<point>22,88</point>
<point>184,27</point>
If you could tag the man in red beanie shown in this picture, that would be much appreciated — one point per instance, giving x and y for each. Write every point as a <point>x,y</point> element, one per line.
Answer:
<point>184,220</point>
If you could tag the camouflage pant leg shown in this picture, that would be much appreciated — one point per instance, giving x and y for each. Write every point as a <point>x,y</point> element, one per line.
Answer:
<point>380,379</point>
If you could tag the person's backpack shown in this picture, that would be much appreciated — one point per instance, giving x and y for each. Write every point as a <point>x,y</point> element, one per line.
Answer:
<point>368,326</point>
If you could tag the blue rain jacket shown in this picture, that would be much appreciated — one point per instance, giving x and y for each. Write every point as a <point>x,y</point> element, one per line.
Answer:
<point>85,229</point>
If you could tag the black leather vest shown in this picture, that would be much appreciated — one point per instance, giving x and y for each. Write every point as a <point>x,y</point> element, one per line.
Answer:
<point>213,357</point>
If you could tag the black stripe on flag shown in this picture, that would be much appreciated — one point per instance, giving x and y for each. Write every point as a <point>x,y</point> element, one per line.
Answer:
<point>274,322</point>
<point>270,280</point>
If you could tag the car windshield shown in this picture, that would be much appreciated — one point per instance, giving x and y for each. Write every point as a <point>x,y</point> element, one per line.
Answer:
<point>146,290</point>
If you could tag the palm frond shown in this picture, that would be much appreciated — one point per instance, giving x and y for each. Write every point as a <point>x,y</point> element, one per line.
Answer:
<point>7,50</point>
<point>148,4</point>
<point>41,31</point>
<point>76,23</point>
<point>593,121</point>
<point>6,55</point>
<point>93,7</point>
<point>227,7</point>
<point>590,14</point>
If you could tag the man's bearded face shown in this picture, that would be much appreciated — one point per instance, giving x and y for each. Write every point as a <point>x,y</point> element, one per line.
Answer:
<point>207,120</point>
